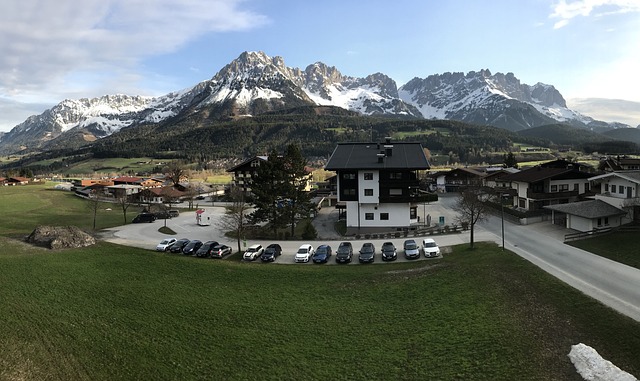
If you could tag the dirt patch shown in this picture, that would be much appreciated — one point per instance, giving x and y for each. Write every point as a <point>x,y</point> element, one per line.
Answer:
<point>60,237</point>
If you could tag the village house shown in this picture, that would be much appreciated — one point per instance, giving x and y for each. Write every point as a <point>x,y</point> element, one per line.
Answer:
<point>378,184</point>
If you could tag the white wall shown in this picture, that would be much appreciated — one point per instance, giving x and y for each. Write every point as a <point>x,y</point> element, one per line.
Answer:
<point>368,184</point>
<point>398,215</point>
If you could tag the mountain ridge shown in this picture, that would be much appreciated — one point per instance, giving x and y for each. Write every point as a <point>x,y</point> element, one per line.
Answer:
<point>255,83</point>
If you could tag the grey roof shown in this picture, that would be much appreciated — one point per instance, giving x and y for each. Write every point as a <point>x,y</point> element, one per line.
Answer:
<point>365,156</point>
<point>632,176</point>
<point>588,209</point>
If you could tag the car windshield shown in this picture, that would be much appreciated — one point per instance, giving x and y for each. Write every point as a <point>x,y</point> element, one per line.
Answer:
<point>165,241</point>
<point>303,251</point>
<point>410,246</point>
<point>430,244</point>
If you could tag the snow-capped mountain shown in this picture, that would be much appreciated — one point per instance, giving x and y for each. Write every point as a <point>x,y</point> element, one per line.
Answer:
<point>479,97</point>
<point>255,83</point>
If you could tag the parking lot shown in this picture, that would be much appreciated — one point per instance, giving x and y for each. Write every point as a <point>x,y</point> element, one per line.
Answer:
<point>147,236</point>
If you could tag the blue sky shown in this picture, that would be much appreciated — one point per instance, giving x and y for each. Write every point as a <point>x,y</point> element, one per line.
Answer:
<point>54,50</point>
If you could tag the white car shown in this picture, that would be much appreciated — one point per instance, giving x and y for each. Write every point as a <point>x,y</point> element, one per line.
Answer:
<point>165,244</point>
<point>253,252</point>
<point>430,248</point>
<point>304,253</point>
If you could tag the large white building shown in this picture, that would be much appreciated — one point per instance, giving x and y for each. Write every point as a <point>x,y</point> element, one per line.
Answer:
<point>378,184</point>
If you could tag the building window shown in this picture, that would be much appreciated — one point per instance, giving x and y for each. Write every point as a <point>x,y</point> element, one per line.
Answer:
<point>349,176</point>
<point>395,192</point>
<point>384,216</point>
<point>599,221</point>
<point>395,175</point>
<point>368,216</point>
<point>255,163</point>
<point>554,188</point>
<point>564,187</point>
<point>606,187</point>
<point>586,187</point>
<point>413,213</point>
<point>349,191</point>
<point>606,221</point>
<point>576,187</point>
<point>368,192</point>
<point>522,203</point>
<point>621,191</point>
<point>613,188</point>
<point>368,176</point>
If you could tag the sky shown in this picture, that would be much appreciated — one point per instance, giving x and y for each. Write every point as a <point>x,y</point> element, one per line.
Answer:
<point>69,49</point>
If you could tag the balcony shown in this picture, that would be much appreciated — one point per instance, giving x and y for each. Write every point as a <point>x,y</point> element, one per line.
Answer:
<point>550,196</point>
<point>417,198</point>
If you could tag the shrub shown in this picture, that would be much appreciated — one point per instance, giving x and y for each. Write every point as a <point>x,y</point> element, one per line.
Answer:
<point>309,231</point>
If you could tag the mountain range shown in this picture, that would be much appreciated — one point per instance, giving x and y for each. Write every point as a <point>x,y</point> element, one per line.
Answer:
<point>256,83</point>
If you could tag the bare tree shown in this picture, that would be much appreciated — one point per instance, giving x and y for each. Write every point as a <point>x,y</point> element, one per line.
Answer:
<point>94,204</point>
<point>235,217</point>
<point>124,204</point>
<point>471,207</point>
<point>175,171</point>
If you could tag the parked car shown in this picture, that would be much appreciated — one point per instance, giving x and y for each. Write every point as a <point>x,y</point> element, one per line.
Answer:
<point>271,252</point>
<point>162,215</point>
<point>344,252</point>
<point>219,251</point>
<point>165,244</point>
<point>205,250</point>
<point>389,252</point>
<point>192,247</point>
<point>144,217</point>
<point>174,213</point>
<point>322,254</point>
<point>430,248</point>
<point>304,253</point>
<point>253,252</point>
<point>411,250</point>
<point>179,245</point>
<point>367,253</point>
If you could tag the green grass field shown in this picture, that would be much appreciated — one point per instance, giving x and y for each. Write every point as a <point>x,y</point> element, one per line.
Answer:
<point>110,312</point>
<point>625,249</point>
<point>25,207</point>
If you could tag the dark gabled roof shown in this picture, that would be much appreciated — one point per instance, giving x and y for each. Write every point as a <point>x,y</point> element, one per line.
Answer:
<point>365,156</point>
<point>468,171</point>
<point>588,209</point>
<point>536,174</point>
<point>246,162</point>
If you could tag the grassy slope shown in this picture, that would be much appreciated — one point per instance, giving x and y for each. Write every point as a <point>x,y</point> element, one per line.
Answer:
<point>624,251</point>
<point>110,312</point>
<point>24,207</point>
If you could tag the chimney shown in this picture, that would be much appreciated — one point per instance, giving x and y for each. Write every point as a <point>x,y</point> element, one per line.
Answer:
<point>388,147</point>
<point>380,157</point>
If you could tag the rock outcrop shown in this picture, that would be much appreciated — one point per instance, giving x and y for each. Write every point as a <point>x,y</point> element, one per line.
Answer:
<point>60,237</point>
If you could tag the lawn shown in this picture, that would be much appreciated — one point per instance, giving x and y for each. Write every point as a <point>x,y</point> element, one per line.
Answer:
<point>24,207</point>
<point>625,249</point>
<point>111,312</point>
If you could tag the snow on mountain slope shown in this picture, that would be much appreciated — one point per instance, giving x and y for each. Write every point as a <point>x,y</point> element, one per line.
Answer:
<point>255,83</point>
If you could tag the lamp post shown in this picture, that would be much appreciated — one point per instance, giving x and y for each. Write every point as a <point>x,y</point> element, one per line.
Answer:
<point>502,215</point>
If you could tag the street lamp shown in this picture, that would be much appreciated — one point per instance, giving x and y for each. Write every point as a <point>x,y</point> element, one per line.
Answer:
<point>502,195</point>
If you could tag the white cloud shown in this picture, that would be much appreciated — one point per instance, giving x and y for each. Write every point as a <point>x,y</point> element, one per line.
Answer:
<point>565,11</point>
<point>45,43</point>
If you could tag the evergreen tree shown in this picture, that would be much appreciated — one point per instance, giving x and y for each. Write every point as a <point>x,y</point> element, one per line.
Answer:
<point>510,160</point>
<point>267,192</point>
<point>295,186</point>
